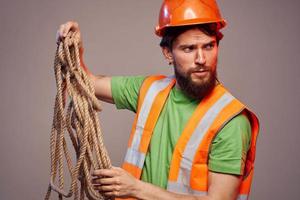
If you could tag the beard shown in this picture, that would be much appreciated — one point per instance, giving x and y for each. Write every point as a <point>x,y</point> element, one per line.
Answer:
<point>196,89</point>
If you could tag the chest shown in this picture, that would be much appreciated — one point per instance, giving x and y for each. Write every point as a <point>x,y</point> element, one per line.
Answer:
<point>171,122</point>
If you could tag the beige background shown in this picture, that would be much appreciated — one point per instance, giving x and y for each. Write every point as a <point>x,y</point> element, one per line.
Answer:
<point>258,63</point>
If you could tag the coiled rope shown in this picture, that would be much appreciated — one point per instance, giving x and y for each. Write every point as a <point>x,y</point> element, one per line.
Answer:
<point>80,121</point>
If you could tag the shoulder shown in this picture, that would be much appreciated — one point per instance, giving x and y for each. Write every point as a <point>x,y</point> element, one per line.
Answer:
<point>125,91</point>
<point>125,80</point>
<point>240,121</point>
<point>237,130</point>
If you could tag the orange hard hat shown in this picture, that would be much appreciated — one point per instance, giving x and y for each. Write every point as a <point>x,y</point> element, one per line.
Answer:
<point>188,12</point>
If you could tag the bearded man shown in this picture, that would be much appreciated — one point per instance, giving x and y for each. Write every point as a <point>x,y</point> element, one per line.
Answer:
<point>191,139</point>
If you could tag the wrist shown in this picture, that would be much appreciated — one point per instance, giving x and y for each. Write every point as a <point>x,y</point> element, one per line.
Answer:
<point>139,188</point>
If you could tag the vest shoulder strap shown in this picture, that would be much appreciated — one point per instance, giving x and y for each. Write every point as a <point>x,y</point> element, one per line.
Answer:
<point>190,159</point>
<point>152,97</point>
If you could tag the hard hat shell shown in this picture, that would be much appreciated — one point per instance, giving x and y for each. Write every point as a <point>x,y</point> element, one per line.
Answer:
<point>188,12</point>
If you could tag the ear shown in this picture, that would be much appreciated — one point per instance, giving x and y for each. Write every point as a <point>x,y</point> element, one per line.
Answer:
<point>168,54</point>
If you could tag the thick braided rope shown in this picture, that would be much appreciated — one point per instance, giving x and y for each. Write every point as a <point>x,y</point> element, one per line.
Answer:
<point>80,121</point>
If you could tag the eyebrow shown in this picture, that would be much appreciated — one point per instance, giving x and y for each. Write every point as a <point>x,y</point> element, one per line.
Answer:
<point>213,43</point>
<point>193,44</point>
<point>182,46</point>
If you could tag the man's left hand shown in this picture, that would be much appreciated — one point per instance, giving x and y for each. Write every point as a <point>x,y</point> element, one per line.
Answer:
<point>115,182</point>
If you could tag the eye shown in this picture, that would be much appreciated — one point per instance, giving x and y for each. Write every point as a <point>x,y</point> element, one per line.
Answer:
<point>209,46</point>
<point>188,49</point>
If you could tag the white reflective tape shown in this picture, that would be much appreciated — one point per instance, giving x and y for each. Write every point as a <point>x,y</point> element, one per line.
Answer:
<point>183,178</point>
<point>201,129</point>
<point>183,189</point>
<point>242,197</point>
<point>135,157</point>
<point>154,89</point>
<point>199,193</point>
<point>178,188</point>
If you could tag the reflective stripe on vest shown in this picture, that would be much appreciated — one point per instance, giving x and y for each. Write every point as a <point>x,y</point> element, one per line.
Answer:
<point>182,182</point>
<point>189,166</point>
<point>133,155</point>
<point>180,188</point>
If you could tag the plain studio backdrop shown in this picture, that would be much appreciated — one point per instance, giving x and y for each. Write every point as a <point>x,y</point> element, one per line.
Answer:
<point>258,62</point>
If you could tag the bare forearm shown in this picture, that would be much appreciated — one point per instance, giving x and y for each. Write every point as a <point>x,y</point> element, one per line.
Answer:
<point>146,191</point>
<point>102,85</point>
<point>116,182</point>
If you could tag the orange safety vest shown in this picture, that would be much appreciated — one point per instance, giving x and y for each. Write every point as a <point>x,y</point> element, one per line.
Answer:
<point>189,166</point>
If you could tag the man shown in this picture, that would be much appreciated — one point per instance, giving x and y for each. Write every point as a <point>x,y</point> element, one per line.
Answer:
<point>191,139</point>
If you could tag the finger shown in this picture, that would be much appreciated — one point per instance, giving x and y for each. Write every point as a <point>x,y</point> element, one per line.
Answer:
<point>117,168</point>
<point>66,29</point>
<point>61,31</point>
<point>112,194</point>
<point>74,26</point>
<point>107,188</point>
<point>106,172</point>
<point>106,181</point>
<point>70,26</point>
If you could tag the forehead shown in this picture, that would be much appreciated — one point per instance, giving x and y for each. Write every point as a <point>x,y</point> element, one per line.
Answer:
<point>194,36</point>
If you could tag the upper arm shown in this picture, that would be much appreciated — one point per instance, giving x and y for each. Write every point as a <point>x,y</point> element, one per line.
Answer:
<point>125,91</point>
<point>227,159</point>
<point>229,148</point>
<point>223,186</point>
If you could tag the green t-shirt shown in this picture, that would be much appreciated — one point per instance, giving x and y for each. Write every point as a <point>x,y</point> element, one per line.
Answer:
<point>229,148</point>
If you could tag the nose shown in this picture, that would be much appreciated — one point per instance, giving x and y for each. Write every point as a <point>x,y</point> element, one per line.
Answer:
<point>200,57</point>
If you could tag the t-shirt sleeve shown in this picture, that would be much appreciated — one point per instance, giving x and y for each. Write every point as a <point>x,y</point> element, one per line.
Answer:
<point>229,148</point>
<point>125,91</point>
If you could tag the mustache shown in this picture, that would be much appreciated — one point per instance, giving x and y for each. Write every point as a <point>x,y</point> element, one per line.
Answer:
<point>200,68</point>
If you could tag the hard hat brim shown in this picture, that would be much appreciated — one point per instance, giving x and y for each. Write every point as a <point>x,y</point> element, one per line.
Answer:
<point>159,31</point>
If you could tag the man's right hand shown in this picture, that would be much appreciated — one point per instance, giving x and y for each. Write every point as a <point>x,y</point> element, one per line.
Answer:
<point>102,84</point>
<point>63,31</point>
<point>65,28</point>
